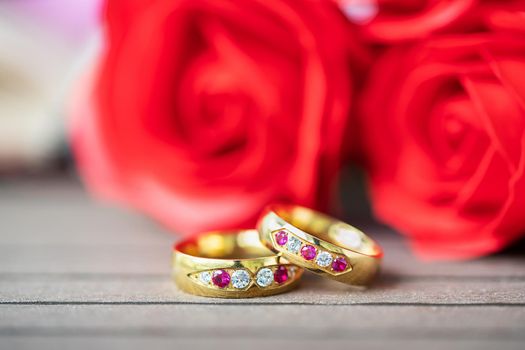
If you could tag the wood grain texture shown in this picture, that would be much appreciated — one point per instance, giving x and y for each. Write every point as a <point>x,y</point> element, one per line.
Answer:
<point>143,289</point>
<point>74,273</point>
<point>209,342</point>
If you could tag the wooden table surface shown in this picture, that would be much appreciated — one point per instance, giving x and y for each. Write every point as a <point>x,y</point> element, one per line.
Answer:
<point>78,274</point>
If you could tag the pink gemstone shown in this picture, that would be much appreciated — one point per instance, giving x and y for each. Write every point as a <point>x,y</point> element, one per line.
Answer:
<point>221,278</point>
<point>281,237</point>
<point>308,252</point>
<point>280,275</point>
<point>339,264</point>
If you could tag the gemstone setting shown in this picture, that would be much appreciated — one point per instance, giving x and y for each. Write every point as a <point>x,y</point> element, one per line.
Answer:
<point>264,277</point>
<point>281,237</point>
<point>293,245</point>
<point>339,264</point>
<point>323,259</point>
<point>221,278</point>
<point>280,274</point>
<point>240,279</point>
<point>308,252</point>
<point>205,277</point>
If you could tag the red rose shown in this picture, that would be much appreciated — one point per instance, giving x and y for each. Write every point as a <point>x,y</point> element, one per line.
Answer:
<point>444,129</point>
<point>205,111</point>
<point>505,16</point>
<point>397,20</point>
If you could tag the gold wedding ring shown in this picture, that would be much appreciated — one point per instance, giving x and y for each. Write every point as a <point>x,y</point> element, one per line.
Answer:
<point>320,243</point>
<point>231,264</point>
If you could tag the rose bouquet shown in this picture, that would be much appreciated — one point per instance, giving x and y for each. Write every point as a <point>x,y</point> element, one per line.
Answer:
<point>200,113</point>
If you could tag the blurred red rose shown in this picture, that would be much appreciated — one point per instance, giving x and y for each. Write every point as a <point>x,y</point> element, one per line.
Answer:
<point>398,20</point>
<point>444,128</point>
<point>505,16</point>
<point>202,112</point>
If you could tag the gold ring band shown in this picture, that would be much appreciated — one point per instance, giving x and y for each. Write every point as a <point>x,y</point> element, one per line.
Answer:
<point>320,243</point>
<point>231,265</point>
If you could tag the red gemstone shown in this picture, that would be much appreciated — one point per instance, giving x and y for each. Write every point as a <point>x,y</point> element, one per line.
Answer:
<point>308,252</point>
<point>220,278</point>
<point>280,275</point>
<point>339,264</point>
<point>281,237</point>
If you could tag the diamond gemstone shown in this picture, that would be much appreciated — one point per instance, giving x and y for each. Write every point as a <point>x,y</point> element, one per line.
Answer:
<point>205,277</point>
<point>264,277</point>
<point>323,259</point>
<point>293,244</point>
<point>240,279</point>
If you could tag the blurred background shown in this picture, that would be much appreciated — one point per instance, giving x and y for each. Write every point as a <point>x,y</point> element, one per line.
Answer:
<point>45,45</point>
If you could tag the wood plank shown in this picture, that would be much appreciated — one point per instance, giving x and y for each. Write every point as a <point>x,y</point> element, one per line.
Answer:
<point>74,273</point>
<point>191,321</point>
<point>154,257</point>
<point>314,290</point>
<point>133,342</point>
<point>85,259</point>
<point>53,227</point>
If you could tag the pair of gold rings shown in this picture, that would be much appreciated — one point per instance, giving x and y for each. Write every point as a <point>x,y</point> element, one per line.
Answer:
<point>271,259</point>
